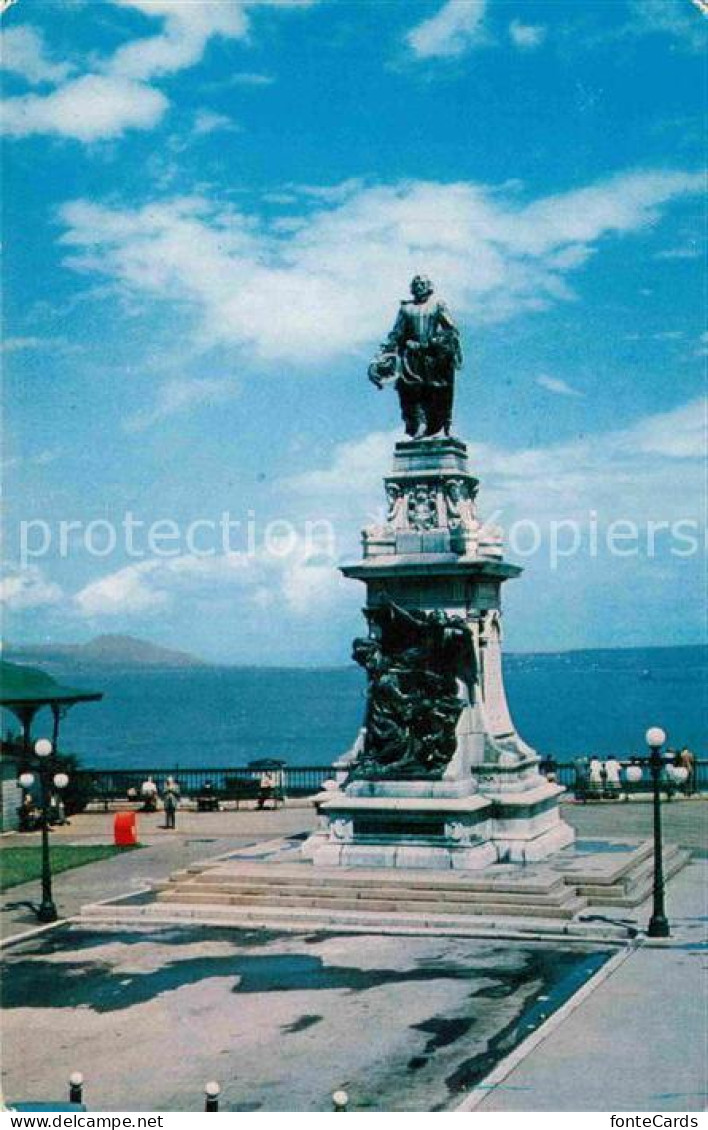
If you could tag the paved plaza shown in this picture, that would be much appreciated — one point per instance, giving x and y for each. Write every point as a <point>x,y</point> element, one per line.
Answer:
<point>280,1016</point>
<point>281,1020</point>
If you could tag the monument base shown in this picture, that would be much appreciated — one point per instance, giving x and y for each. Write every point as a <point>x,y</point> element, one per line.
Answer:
<point>438,776</point>
<point>527,826</point>
<point>460,833</point>
<point>408,856</point>
<point>390,831</point>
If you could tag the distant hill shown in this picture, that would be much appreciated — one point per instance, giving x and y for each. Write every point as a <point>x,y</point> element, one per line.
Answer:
<point>103,651</point>
<point>127,652</point>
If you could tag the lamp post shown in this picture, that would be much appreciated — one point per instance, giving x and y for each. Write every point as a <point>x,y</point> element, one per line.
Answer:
<point>340,1102</point>
<point>658,923</point>
<point>46,911</point>
<point>211,1097</point>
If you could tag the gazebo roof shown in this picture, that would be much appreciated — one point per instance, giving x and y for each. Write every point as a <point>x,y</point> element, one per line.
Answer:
<point>25,688</point>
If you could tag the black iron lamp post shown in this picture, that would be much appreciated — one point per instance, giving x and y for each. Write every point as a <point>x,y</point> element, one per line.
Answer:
<point>658,923</point>
<point>46,911</point>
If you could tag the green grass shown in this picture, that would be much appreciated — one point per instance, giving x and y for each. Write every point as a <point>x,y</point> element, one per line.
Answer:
<point>22,864</point>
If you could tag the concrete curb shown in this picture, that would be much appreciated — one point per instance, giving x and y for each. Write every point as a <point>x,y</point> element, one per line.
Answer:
<point>14,939</point>
<point>480,1092</point>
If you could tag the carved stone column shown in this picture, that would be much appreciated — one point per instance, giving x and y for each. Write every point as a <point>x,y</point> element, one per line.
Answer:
<point>438,776</point>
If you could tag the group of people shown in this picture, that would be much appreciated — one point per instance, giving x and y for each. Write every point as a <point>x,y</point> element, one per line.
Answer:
<point>596,778</point>
<point>171,795</point>
<point>31,815</point>
<point>149,797</point>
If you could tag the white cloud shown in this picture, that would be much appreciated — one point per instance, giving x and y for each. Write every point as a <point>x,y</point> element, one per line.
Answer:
<point>207,121</point>
<point>690,250</point>
<point>179,396</point>
<point>654,468</point>
<point>313,284</point>
<point>125,592</point>
<point>119,93</point>
<point>90,108</point>
<point>684,23</point>
<point>356,468</point>
<point>526,36</point>
<point>187,29</point>
<point>22,52</point>
<point>292,584</point>
<point>455,29</point>
<point>33,343</point>
<point>250,78</point>
<point>557,385</point>
<point>19,344</point>
<point>678,434</point>
<point>27,588</point>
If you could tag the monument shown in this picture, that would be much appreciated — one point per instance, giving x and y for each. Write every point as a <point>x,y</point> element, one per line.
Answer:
<point>438,776</point>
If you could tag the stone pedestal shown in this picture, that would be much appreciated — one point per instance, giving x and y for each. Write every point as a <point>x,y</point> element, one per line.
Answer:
<point>483,799</point>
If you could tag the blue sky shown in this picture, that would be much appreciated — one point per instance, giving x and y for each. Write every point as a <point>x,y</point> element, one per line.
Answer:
<point>211,212</point>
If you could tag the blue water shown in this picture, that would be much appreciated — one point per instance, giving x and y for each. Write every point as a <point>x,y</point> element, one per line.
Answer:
<point>563,704</point>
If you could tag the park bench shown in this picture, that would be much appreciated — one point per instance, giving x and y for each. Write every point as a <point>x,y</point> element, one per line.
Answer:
<point>245,789</point>
<point>208,801</point>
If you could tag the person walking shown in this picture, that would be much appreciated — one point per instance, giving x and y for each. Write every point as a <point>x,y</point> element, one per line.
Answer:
<point>170,801</point>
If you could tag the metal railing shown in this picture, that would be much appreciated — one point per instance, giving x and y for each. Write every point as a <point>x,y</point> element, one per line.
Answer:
<point>109,785</point>
<point>565,773</point>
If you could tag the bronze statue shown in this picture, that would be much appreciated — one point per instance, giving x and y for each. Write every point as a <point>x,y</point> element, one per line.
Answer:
<point>414,662</point>
<point>421,355</point>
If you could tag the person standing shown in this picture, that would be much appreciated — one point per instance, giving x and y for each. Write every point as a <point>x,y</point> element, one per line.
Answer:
<point>688,762</point>
<point>265,789</point>
<point>582,779</point>
<point>171,801</point>
<point>148,793</point>
<point>612,778</point>
<point>596,778</point>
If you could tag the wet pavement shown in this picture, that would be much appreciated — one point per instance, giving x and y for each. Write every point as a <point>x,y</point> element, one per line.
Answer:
<point>638,1042</point>
<point>403,1023</point>
<point>280,1020</point>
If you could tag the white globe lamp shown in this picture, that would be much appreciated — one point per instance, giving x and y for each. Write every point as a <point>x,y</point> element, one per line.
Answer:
<point>655,737</point>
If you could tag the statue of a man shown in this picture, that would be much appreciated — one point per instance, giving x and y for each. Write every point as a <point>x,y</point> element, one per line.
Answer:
<point>422,352</point>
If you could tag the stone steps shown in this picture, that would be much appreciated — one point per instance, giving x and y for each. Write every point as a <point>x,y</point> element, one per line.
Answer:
<point>509,891</point>
<point>192,894</point>
<point>539,900</point>
<point>280,889</point>
<point>614,875</point>
<point>637,885</point>
<point>360,921</point>
<point>533,893</point>
<point>641,867</point>
<point>507,879</point>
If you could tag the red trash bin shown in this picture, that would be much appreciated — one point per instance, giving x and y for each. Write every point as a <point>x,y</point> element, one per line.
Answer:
<point>125,829</point>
